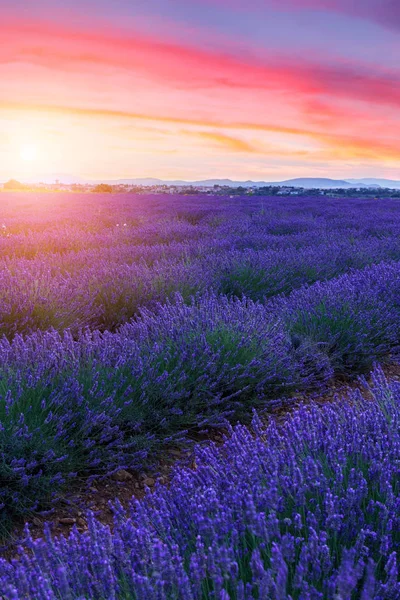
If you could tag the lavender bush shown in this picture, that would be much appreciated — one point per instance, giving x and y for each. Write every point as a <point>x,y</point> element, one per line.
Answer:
<point>355,318</point>
<point>310,510</point>
<point>106,400</point>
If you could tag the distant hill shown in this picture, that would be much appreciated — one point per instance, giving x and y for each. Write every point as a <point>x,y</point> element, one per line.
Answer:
<point>323,183</point>
<point>385,183</point>
<point>181,182</point>
<point>303,182</point>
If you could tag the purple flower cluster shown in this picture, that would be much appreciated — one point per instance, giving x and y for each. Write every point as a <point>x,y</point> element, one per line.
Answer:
<point>309,510</point>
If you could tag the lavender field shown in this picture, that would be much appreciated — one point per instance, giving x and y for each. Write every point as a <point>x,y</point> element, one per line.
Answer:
<point>132,322</point>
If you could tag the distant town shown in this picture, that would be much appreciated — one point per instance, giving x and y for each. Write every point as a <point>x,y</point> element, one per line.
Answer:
<point>216,189</point>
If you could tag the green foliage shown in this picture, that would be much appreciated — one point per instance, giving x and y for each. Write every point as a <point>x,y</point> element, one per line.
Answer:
<point>14,185</point>
<point>248,281</point>
<point>103,188</point>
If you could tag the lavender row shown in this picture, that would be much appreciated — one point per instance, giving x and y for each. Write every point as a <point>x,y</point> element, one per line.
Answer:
<point>70,261</point>
<point>310,510</point>
<point>105,401</point>
<point>103,290</point>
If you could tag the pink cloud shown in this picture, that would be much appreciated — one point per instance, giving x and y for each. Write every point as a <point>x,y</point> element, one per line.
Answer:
<point>105,74</point>
<point>190,68</point>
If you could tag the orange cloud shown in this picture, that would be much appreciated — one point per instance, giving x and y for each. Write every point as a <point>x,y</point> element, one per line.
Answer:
<point>221,140</point>
<point>340,143</point>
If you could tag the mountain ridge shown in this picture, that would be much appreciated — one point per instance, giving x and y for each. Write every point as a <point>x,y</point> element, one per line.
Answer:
<point>303,182</point>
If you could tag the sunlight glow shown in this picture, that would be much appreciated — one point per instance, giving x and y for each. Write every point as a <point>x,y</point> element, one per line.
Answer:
<point>28,153</point>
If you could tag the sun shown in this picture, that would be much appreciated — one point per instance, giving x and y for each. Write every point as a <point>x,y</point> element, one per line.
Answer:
<point>28,152</point>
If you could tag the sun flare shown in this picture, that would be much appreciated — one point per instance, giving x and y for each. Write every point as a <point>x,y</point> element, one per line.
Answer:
<point>28,152</point>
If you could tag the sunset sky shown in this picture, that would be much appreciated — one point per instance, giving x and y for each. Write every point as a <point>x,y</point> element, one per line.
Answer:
<point>247,89</point>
